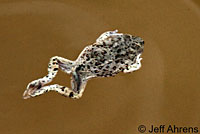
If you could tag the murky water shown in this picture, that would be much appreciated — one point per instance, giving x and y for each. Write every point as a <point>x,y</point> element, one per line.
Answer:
<point>164,91</point>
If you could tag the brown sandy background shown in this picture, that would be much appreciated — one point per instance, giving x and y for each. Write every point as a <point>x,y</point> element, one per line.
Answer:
<point>164,91</point>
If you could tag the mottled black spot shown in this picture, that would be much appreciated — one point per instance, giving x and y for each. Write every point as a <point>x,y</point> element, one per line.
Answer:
<point>127,66</point>
<point>117,56</point>
<point>114,67</point>
<point>54,59</point>
<point>127,53</point>
<point>117,61</point>
<point>71,94</point>
<point>137,47</point>
<point>80,67</point>
<point>55,69</point>
<point>116,46</point>
<point>88,59</point>
<point>97,63</point>
<point>96,71</point>
<point>110,62</point>
<point>95,53</point>
<point>88,66</point>
<point>104,70</point>
<point>119,50</point>
<point>121,68</point>
<point>103,52</point>
<point>98,74</point>
<point>62,88</point>
<point>39,86</point>
<point>133,46</point>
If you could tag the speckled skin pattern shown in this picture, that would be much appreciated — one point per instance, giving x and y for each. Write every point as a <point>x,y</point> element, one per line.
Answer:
<point>112,53</point>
